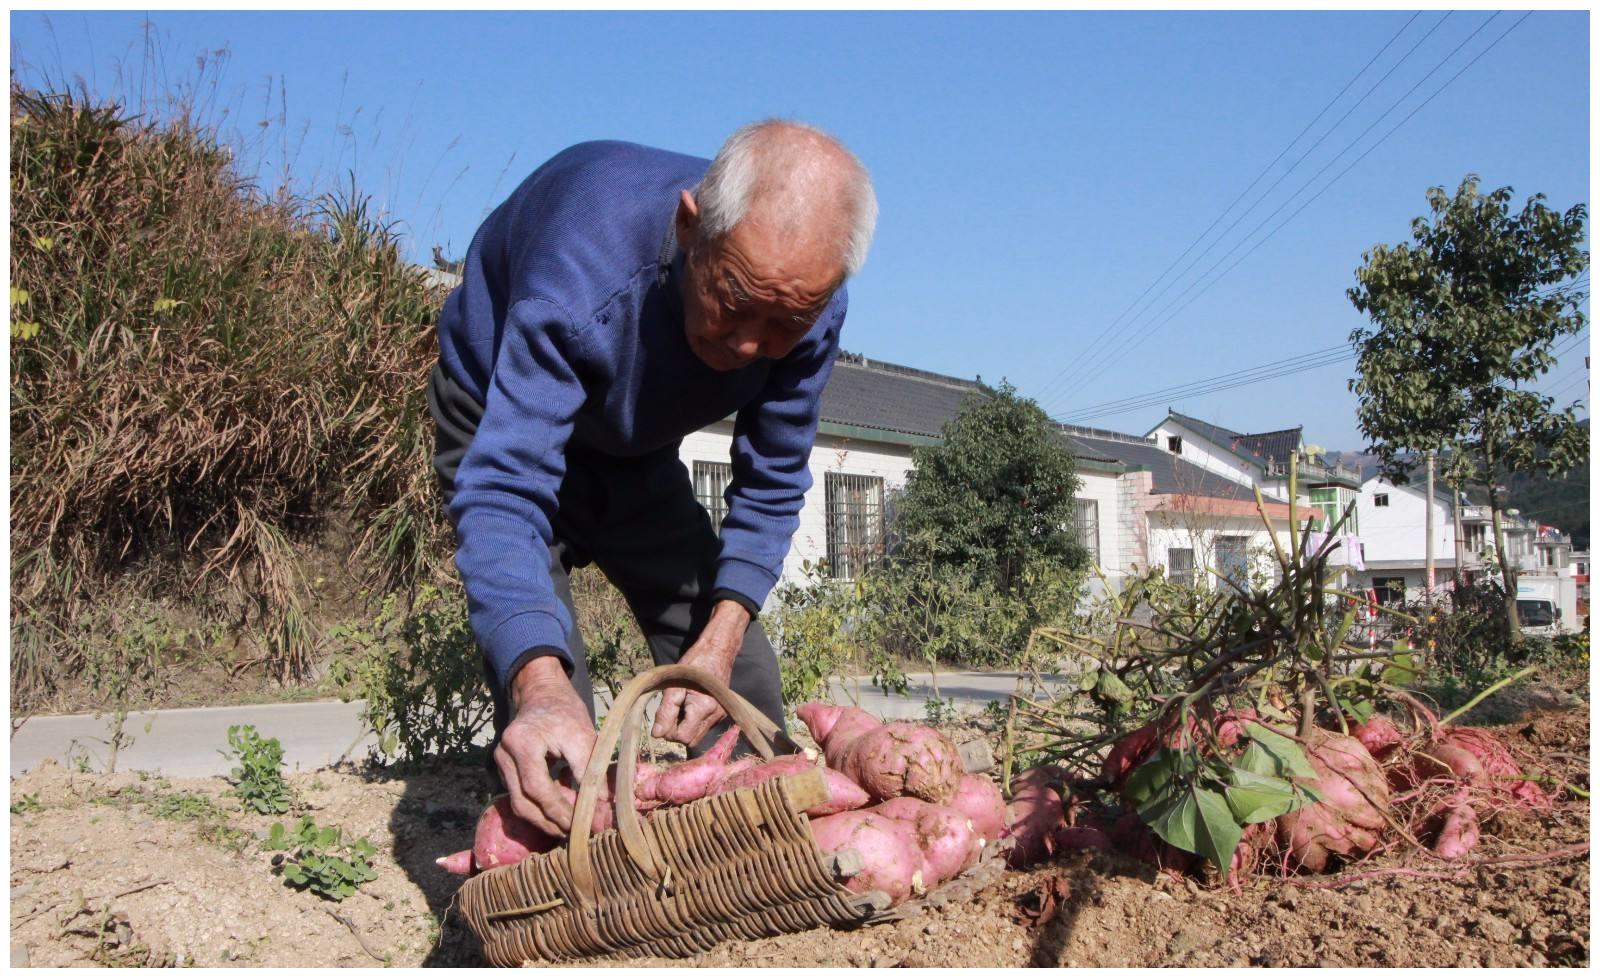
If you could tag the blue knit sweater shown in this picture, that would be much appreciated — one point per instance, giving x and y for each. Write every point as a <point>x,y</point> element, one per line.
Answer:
<point>568,328</point>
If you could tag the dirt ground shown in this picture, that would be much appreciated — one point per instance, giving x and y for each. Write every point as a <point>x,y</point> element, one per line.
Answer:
<point>113,869</point>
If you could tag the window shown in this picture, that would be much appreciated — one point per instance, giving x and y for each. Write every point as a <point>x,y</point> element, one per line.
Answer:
<point>1380,499</point>
<point>1175,444</point>
<point>1089,527</point>
<point>1180,565</point>
<point>1389,590</point>
<point>1232,562</point>
<point>1326,501</point>
<point>854,507</point>
<point>710,488</point>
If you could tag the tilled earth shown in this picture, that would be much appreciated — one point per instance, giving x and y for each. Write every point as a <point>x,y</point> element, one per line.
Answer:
<point>134,869</point>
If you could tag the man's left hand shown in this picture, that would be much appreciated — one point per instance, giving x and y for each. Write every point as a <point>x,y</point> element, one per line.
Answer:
<point>685,715</point>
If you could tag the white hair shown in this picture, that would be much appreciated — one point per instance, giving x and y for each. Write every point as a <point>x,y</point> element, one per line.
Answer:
<point>783,156</point>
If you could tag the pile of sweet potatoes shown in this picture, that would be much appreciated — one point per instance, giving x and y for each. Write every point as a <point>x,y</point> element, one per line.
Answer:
<point>1377,787</point>
<point>898,797</point>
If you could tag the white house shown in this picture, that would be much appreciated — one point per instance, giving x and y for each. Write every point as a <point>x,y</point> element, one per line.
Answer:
<point>873,415</point>
<point>1394,533</point>
<point>1196,522</point>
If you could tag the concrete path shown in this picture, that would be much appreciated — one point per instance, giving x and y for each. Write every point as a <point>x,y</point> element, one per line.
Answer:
<point>188,743</point>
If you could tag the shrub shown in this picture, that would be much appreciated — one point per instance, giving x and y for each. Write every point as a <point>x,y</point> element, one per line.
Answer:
<point>421,674</point>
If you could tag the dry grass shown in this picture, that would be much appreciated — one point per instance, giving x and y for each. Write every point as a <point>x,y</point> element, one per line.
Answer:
<point>197,376</point>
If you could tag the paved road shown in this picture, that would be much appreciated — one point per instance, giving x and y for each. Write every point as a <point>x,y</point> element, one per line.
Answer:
<point>188,743</point>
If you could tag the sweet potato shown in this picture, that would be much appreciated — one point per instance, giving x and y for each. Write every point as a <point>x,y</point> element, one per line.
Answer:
<point>1127,754</point>
<point>1135,748</point>
<point>1131,836</point>
<point>888,848</point>
<point>1378,735</point>
<point>1454,826</point>
<point>690,780</point>
<point>1034,817</point>
<point>979,799</point>
<point>1353,811</point>
<point>826,721</point>
<point>945,837</point>
<point>1499,770</point>
<point>501,839</point>
<point>843,794</point>
<point>900,759</point>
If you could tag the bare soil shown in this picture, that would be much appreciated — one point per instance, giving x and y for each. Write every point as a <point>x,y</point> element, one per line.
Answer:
<point>98,878</point>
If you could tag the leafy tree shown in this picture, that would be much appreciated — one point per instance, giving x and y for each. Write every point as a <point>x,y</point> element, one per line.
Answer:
<point>996,498</point>
<point>1464,318</point>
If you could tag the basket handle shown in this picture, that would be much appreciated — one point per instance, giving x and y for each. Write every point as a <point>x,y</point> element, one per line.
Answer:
<point>625,724</point>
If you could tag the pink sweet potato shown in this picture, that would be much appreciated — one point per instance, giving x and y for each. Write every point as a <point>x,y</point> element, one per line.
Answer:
<point>1131,836</point>
<point>902,759</point>
<point>841,724</point>
<point>1378,735</point>
<point>690,780</point>
<point>843,794</point>
<point>1033,818</point>
<point>979,799</point>
<point>1353,811</point>
<point>501,839</point>
<point>1500,771</point>
<point>944,836</point>
<point>1454,826</point>
<point>888,760</point>
<point>1128,753</point>
<point>1136,747</point>
<point>888,848</point>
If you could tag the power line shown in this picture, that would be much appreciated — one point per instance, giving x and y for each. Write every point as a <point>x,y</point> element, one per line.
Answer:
<point>1175,308</point>
<point>1154,401</point>
<point>1069,373</point>
<point>1099,357</point>
<point>1183,389</point>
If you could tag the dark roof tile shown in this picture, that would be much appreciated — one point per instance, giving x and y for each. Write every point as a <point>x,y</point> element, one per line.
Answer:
<point>892,398</point>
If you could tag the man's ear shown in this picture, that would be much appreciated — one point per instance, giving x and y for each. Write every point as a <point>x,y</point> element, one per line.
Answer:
<point>687,221</point>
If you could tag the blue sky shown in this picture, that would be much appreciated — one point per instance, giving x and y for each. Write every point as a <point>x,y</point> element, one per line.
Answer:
<point>1037,173</point>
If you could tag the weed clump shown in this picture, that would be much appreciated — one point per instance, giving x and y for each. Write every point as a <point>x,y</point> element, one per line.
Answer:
<point>199,376</point>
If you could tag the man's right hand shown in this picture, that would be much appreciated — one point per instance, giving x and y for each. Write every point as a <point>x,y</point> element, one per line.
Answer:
<point>549,721</point>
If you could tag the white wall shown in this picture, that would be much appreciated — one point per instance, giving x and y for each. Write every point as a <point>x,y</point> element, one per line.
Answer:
<point>888,461</point>
<point>1398,531</point>
<point>1102,488</point>
<point>1213,458</point>
<point>1199,533</point>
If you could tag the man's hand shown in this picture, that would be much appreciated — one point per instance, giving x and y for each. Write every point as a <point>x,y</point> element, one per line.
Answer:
<point>549,721</point>
<point>685,716</point>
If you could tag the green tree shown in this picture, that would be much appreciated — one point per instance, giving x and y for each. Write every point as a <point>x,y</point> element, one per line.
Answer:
<point>996,497</point>
<point>1464,318</point>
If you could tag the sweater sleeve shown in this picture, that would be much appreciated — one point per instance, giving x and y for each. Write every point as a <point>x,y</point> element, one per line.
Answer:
<point>506,491</point>
<point>772,438</point>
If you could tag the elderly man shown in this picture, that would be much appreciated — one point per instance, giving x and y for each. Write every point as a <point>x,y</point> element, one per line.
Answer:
<point>622,298</point>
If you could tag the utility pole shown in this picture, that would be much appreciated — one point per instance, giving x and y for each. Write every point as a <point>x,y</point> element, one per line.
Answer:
<point>1429,551</point>
<point>1455,513</point>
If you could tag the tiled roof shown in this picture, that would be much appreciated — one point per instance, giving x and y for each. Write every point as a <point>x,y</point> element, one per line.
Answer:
<point>1170,474</point>
<point>1216,434</point>
<point>1275,446</point>
<point>890,397</point>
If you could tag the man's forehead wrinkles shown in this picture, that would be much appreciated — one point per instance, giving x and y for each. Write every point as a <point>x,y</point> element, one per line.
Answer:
<point>780,289</point>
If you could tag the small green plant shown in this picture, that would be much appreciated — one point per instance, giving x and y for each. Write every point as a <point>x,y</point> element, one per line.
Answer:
<point>939,711</point>
<point>26,805</point>
<point>211,821</point>
<point>184,806</point>
<point>421,674</point>
<point>315,859</point>
<point>258,778</point>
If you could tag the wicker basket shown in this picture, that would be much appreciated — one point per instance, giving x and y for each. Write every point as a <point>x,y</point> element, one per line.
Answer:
<point>736,865</point>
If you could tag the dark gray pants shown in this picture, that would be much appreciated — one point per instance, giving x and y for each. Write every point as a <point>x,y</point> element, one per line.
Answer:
<point>637,519</point>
